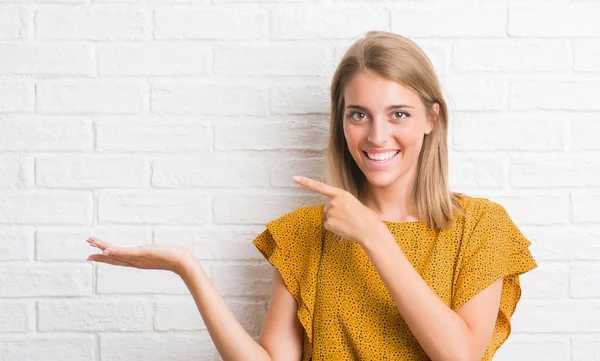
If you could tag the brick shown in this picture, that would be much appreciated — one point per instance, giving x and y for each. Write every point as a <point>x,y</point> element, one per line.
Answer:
<point>313,21</point>
<point>178,315</point>
<point>449,21</point>
<point>585,280</point>
<point>283,169</point>
<point>207,99</point>
<point>226,23</point>
<point>156,207</point>
<point>94,315</point>
<point>226,170</point>
<point>583,245</point>
<point>45,280</point>
<point>585,132</point>
<point>14,22</point>
<point>156,347</point>
<point>41,133</point>
<point>551,94</point>
<point>138,59</point>
<point>151,135</point>
<point>470,170</point>
<point>535,209</point>
<point>83,171</point>
<point>91,96</point>
<point>46,207</point>
<point>552,243</point>
<point>299,99</point>
<point>549,281</point>
<point>519,55</point>
<point>16,317</point>
<point>34,347</point>
<point>58,59</point>
<point>535,348</point>
<point>475,92</point>
<point>536,21</point>
<point>587,55</point>
<point>120,280</point>
<point>223,243</point>
<point>91,23</point>
<point>568,316</point>
<point>258,209</point>
<point>242,280</point>
<point>302,135</point>
<point>585,208</point>
<point>555,171</point>
<point>16,243</point>
<point>69,244</point>
<point>585,347</point>
<point>17,97</point>
<point>270,59</point>
<point>17,171</point>
<point>487,131</point>
<point>183,315</point>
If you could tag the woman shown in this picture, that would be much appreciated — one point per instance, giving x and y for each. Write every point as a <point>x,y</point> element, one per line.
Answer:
<point>394,266</point>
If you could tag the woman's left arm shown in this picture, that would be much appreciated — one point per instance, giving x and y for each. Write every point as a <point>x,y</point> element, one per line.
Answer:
<point>444,334</point>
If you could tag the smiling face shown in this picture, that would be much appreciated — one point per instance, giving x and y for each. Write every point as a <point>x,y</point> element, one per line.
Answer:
<point>384,124</point>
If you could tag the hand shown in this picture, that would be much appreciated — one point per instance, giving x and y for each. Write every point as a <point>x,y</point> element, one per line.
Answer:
<point>149,256</point>
<point>345,215</point>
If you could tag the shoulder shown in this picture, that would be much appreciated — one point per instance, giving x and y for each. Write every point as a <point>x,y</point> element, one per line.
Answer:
<point>305,217</point>
<point>478,210</point>
<point>300,228</point>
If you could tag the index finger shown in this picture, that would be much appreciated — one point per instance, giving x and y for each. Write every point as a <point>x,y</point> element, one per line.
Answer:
<point>315,185</point>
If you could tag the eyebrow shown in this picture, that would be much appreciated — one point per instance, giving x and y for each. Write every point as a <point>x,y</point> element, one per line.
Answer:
<point>360,107</point>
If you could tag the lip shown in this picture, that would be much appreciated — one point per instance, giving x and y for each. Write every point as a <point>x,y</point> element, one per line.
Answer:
<point>378,165</point>
<point>377,151</point>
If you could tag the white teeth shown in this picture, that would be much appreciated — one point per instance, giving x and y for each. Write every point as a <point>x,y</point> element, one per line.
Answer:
<point>382,156</point>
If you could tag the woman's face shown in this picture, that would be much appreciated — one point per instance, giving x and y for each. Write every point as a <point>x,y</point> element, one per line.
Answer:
<point>384,125</point>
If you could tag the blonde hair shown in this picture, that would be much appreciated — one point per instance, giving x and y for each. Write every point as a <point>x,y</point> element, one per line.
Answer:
<point>398,58</point>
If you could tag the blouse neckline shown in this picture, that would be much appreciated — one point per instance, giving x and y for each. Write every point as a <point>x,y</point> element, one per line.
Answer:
<point>421,222</point>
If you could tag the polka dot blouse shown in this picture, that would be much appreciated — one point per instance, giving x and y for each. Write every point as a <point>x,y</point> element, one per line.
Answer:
<point>343,305</point>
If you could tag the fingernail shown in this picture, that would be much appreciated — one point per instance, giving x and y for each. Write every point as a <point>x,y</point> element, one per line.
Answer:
<point>105,252</point>
<point>296,178</point>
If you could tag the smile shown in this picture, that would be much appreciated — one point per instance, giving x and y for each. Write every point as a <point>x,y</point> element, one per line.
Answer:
<point>379,159</point>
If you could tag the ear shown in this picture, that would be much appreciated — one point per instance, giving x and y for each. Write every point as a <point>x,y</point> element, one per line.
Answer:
<point>435,109</point>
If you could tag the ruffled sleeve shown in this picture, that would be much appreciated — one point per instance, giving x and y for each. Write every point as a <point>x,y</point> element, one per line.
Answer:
<point>293,244</point>
<point>495,249</point>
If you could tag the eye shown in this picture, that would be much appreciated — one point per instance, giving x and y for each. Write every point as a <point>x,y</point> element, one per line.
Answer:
<point>356,116</point>
<point>406,115</point>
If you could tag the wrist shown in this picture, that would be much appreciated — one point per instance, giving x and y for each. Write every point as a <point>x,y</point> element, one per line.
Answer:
<point>375,235</point>
<point>185,264</point>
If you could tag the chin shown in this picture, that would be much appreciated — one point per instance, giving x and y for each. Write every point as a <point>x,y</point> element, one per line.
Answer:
<point>382,180</point>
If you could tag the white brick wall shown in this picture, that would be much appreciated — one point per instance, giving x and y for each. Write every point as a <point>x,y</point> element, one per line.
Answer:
<point>183,121</point>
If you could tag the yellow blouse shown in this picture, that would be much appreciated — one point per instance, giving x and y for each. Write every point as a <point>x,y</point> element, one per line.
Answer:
<point>343,305</point>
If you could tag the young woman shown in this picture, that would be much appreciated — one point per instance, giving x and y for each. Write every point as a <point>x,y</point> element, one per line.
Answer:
<point>394,266</point>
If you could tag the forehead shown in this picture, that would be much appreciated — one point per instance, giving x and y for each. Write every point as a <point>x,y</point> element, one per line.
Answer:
<point>371,89</point>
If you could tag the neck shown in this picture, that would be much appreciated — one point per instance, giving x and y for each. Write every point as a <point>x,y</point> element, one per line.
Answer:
<point>391,203</point>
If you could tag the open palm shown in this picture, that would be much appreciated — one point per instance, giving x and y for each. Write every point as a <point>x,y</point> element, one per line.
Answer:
<point>149,256</point>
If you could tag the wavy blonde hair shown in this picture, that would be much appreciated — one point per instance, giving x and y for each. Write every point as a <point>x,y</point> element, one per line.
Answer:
<point>398,58</point>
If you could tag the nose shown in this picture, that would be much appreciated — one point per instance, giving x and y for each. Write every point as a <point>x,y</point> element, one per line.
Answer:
<point>379,131</point>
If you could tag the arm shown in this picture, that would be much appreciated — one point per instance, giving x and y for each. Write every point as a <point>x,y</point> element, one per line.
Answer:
<point>282,336</point>
<point>444,334</point>
<point>282,333</point>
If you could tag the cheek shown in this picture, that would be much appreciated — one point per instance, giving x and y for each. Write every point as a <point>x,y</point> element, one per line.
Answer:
<point>353,136</point>
<point>410,138</point>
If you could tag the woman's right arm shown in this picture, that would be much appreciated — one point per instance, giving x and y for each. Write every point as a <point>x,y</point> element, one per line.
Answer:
<point>282,335</point>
